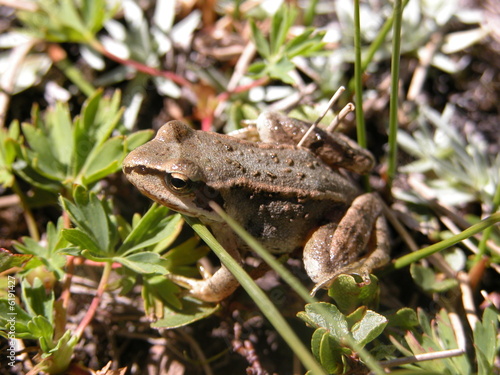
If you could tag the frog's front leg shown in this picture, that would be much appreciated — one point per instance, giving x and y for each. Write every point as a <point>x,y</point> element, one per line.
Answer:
<point>356,245</point>
<point>213,288</point>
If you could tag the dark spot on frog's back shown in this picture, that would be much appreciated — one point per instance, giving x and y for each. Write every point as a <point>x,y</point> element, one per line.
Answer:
<point>174,131</point>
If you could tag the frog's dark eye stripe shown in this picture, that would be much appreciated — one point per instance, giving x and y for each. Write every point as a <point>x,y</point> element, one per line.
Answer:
<point>178,183</point>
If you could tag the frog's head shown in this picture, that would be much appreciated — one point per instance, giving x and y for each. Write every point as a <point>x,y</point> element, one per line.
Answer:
<point>161,170</point>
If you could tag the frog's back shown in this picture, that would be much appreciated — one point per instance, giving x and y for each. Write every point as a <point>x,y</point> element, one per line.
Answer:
<point>287,170</point>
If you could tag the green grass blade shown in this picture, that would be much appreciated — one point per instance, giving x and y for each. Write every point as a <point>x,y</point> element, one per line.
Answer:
<point>259,297</point>
<point>408,259</point>
<point>358,90</point>
<point>287,277</point>
<point>393,108</point>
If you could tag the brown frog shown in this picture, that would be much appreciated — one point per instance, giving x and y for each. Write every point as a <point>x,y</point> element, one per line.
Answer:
<point>286,196</point>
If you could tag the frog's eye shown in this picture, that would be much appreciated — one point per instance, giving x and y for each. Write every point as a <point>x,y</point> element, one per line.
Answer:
<point>178,182</point>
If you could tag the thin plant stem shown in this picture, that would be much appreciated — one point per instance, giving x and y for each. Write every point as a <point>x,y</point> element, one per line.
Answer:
<point>408,259</point>
<point>95,301</point>
<point>375,46</point>
<point>358,92</point>
<point>28,214</point>
<point>140,66</point>
<point>393,108</point>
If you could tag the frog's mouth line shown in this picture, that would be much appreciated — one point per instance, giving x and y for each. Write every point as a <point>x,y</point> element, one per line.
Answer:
<point>141,169</point>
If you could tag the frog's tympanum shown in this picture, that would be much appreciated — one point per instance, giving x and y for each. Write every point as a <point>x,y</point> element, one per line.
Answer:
<point>287,197</point>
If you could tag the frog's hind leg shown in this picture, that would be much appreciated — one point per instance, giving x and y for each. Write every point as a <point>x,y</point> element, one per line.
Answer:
<point>335,249</point>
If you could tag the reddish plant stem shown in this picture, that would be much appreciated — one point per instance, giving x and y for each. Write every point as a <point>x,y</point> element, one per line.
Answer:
<point>144,68</point>
<point>95,301</point>
<point>259,82</point>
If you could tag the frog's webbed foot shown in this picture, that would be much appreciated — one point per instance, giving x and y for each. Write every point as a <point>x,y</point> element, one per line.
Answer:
<point>335,249</point>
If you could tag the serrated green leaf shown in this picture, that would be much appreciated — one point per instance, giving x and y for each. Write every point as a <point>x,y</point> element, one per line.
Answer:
<point>90,216</point>
<point>153,227</point>
<point>486,343</point>
<point>103,160</point>
<point>37,300</point>
<point>61,354</point>
<point>159,287</point>
<point>281,69</point>
<point>43,158</point>
<point>9,260</point>
<point>99,117</point>
<point>12,313</point>
<point>59,132</point>
<point>41,328</point>
<point>81,239</point>
<point>186,253</point>
<point>280,25</point>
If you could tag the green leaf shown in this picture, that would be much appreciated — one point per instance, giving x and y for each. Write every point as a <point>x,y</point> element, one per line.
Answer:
<point>427,280</point>
<point>192,310</point>
<point>61,354</point>
<point>59,133</point>
<point>281,69</point>
<point>328,316</point>
<point>47,252</point>
<point>260,41</point>
<point>9,260</point>
<point>35,178</point>
<point>326,351</point>
<point>143,263</point>
<point>281,22</point>
<point>90,215</point>
<point>9,139</point>
<point>104,160</point>
<point>258,70</point>
<point>41,328</point>
<point>12,313</point>
<point>405,318</point>
<point>157,288</point>
<point>81,239</point>
<point>186,253</point>
<point>154,227</point>
<point>38,301</point>
<point>348,294</point>
<point>138,138</point>
<point>96,257</point>
<point>43,157</point>
<point>486,343</point>
<point>368,328</point>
